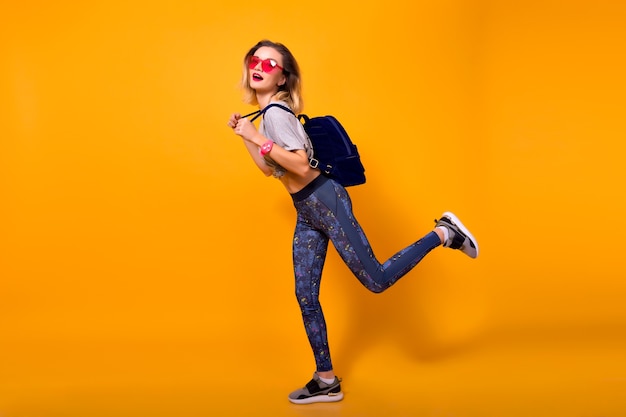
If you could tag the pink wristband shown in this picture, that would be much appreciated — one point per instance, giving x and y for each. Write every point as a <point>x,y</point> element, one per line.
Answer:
<point>266,148</point>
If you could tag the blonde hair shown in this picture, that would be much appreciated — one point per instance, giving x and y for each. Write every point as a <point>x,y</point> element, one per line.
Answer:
<point>290,92</point>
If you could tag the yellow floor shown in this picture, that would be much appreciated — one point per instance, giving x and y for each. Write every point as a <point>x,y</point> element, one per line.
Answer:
<point>520,375</point>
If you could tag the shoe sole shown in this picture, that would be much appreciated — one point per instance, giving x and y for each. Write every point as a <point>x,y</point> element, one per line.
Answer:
<point>461,226</point>
<point>326,398</point>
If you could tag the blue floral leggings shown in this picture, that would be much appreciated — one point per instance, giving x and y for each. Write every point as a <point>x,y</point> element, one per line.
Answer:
<point>324,212</point>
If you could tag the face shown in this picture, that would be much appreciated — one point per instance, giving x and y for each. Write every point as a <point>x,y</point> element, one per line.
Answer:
<point>266,70</point>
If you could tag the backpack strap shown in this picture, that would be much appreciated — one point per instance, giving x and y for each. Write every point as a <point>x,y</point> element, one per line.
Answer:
<point>287,109</point>
<point>258,113</point>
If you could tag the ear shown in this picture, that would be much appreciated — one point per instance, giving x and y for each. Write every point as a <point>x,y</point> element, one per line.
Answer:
<point>282,81</point>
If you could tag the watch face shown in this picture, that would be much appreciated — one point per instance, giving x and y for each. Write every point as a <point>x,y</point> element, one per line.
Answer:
<point>267,146</point>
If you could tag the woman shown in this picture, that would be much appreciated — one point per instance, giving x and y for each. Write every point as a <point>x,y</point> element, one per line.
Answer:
<point>280,147</point>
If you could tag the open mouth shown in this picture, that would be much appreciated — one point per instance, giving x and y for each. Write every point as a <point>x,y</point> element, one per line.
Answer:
<point>257,77</point>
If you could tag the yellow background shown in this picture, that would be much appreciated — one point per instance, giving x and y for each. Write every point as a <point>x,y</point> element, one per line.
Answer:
<point>145,262</point>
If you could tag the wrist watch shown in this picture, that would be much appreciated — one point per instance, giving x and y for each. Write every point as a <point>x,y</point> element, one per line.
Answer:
<point>266,148</point>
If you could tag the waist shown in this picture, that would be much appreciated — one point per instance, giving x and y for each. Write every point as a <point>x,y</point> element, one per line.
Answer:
<point>310,188</point>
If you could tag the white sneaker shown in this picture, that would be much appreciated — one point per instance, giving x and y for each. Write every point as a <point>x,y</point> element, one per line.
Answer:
<point>317,391</point>
<point>459,237</point>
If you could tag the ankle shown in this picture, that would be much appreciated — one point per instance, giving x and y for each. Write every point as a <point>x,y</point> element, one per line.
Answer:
<point>443,233</point>
<point>327,375</point>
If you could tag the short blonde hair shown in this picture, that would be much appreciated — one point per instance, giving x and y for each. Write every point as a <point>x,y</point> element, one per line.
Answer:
<point>290,92</point>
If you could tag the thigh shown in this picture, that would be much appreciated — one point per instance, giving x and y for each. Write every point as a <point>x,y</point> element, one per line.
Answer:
<point>310,246</point>
<point>345,232</point>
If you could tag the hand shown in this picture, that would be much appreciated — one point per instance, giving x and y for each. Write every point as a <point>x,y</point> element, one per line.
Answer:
<point>245,128</point>
<point>232,122</point>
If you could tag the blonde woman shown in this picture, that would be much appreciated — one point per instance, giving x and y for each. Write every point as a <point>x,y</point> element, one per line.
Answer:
<point>281,148</point>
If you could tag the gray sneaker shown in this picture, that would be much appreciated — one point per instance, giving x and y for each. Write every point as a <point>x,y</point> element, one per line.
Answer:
<point>317,391</point>
<point>460,237</point>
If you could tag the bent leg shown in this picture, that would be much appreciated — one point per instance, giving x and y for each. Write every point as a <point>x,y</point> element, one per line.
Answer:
<point>350,241</point>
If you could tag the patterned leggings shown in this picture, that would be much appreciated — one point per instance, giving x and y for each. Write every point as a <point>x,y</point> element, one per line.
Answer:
<point>324,213</point>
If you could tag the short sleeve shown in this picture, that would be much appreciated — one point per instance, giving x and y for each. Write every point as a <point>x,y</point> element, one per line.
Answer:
<point>284,129</point>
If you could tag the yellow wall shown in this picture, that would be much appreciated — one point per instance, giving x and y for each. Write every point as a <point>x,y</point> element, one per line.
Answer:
<point>132,217</point>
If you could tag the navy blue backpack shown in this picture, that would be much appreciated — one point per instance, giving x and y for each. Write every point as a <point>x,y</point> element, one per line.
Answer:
<point>334,153</point>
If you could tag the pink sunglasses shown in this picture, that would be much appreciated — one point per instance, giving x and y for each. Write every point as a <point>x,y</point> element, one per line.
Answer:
<point>267,65</point>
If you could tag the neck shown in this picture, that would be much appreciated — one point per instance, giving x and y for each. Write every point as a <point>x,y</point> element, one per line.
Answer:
<point>264,99</point>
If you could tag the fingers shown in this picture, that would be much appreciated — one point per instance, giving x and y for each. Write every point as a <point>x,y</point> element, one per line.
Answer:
<point>241,126</point>
<point>234,118</point>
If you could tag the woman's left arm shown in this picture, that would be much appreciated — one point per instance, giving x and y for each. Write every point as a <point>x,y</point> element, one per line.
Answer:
<point>296,161</point>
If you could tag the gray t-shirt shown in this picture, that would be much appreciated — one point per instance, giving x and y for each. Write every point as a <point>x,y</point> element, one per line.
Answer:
<point>285,130</point>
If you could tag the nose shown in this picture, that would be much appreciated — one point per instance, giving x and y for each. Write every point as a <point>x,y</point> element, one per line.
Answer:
<point>258,66</point>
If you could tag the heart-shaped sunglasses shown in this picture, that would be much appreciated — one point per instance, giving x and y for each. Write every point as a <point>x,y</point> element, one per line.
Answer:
<point>267,65</point>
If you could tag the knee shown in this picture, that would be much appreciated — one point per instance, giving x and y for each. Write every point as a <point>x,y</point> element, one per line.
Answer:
<point>376,289</point>
<point>372,282</point>
<point>308,304</point>
<point>372,285</point>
